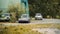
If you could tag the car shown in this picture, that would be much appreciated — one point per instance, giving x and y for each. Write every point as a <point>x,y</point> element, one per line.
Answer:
<point>24,18</point>
<point>38,16</point>
<point>5,17</point>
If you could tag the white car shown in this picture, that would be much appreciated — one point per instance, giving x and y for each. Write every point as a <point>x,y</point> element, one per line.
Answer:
<point>24,18</point>
<point>5,17</point>
<point>38,16</point>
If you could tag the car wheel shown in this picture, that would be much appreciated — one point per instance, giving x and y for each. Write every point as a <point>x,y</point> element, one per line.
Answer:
<point>7,20</point>
<point>40,19</point>
<point>28,22</point>
<point>35,18</point>
<point>20,22</point>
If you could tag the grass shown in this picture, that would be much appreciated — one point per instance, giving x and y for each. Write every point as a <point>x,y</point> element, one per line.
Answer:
<point>26,29</point>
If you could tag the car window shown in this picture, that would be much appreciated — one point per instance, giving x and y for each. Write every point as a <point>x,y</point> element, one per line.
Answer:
<point>6,14</point>
<point>24,16</point>
<point>38,14</point>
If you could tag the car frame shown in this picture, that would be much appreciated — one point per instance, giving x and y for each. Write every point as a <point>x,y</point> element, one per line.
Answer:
<point>24,18</point>
<point>38,16</point>
<point>5,17</point>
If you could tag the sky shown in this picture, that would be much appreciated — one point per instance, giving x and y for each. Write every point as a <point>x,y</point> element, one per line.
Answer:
<point>5,3</point>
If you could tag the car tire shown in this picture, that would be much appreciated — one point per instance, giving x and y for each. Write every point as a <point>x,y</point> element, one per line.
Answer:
<point>40,19</point>
<point>7,20</point>
<point>35,18</point>
<point>28,22</point>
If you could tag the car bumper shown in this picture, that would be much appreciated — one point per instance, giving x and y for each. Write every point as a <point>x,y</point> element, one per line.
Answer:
<point>23,21</point>
<point>1,20</point>
<point>39,18</point>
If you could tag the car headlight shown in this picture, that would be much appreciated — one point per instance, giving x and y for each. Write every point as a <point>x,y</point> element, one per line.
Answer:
<point>5,18</point>
<point>19,19</point>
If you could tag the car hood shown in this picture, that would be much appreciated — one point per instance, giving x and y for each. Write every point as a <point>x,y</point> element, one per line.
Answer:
<point>38,16</point>
<point>23,19</point>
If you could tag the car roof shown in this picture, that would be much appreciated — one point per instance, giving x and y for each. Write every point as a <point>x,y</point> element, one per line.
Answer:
<point>24,14</point>
<point>38,13</point>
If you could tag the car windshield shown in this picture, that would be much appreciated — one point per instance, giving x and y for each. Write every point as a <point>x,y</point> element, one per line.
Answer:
<point>38,14</point>
<point>5,14</point>
<point>24,16</point>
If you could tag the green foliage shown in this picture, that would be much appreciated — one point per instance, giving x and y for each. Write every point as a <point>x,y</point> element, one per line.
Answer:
<point>46,7</point>
<point>16,11</point>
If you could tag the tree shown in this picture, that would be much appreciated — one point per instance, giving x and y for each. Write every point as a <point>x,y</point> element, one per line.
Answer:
<point>46,7</point>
